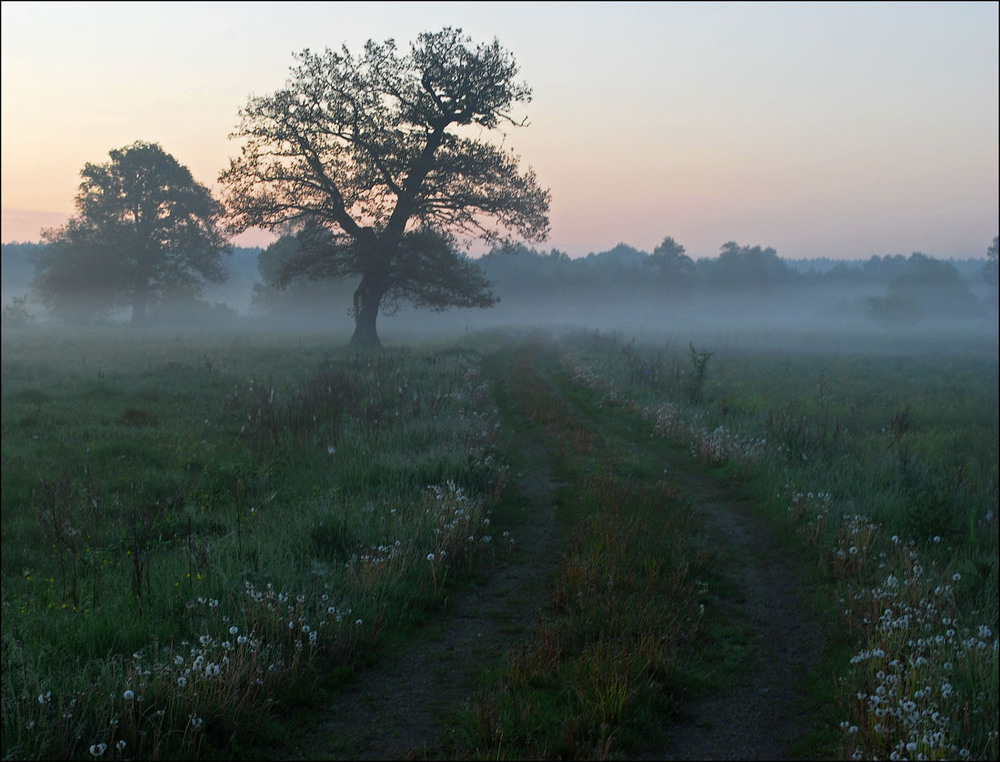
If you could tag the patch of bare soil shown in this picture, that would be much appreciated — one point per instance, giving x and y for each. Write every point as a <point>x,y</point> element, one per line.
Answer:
<point>403,707</point>
<point>769,713</point>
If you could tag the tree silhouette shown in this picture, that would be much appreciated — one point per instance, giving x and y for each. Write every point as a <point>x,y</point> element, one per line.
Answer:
<point>144,231</point>
<point>374,158</point>
<point>934,287</point>
<point>990,273</point>
<point>676,267</point>
<point>750,267</point>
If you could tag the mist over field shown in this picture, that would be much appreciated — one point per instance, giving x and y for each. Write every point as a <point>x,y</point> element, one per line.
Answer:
<point>740,300</point>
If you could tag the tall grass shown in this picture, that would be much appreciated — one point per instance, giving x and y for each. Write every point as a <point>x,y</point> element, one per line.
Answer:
<point>198,531</point>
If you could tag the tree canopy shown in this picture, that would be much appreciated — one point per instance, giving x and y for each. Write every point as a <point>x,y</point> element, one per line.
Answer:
<point>144,231</point>
<point>372,157</point>
<point>676,267</point>
<point>749,267</point>
<point>991,271</point>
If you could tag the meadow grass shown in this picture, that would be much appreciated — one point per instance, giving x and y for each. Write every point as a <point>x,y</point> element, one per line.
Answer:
<point>199,532</point>
<point>885,463</point>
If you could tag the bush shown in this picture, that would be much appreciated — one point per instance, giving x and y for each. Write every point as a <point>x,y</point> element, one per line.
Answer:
<point>16,314</point>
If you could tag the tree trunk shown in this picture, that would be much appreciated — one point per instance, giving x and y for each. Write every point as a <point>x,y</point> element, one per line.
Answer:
<point>367,299</point>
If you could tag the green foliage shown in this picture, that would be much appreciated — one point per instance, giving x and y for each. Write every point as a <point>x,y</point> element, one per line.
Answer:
<point>16,314</point>
<point>991,272</point>
<point>933,288</point>
<point>675,267</point>
<point>144,230</point>
<point>753,268</point>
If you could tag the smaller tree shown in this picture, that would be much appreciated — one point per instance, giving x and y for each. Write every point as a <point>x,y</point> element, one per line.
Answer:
<point>144,231</point>
<point>990,273</point>
<point>676,267</point>
<point>15,313</point>
<point>935,288</point>
<point>752,268</point>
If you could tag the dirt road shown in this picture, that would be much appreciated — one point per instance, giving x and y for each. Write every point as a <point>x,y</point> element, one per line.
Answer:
<point>406,706</point>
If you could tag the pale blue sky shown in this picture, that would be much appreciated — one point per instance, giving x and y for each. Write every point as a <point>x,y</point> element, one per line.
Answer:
<point>841,130</point>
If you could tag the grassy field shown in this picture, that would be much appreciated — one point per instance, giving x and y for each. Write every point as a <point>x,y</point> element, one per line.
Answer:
<point>202,534</point>
<point>884,461</point>
<point>195,531</point>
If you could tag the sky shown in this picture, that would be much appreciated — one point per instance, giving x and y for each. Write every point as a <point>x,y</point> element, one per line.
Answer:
<point>823,130</point>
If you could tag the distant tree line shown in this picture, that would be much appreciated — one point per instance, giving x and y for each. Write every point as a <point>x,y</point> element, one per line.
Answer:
<point>893,288</point>
<point>890,289</point>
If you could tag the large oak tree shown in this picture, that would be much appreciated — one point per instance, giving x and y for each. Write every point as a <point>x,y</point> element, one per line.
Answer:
<point>144,231</point>
<point>379,160</point>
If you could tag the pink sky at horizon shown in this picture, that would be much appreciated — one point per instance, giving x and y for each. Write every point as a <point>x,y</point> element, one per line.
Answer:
<point>835,130</point>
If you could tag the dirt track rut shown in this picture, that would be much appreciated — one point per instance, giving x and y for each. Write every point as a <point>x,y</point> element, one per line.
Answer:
<point>404,707</point>
<point>768,714</point>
